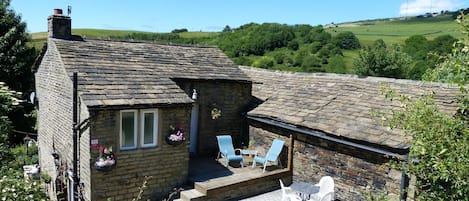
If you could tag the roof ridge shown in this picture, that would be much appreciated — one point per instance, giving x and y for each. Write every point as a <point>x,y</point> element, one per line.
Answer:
<point>352,76</point>
<point>84,38</point>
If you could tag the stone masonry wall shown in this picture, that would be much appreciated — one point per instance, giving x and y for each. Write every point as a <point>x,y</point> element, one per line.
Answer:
<point>84,171</point>
<point>54,92</point>
<point>355,172</point>
<point>231,98</point>
<point>164,166</point>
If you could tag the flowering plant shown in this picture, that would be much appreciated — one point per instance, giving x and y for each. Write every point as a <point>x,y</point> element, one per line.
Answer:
<point>106,158</point>
<point>176,136</point>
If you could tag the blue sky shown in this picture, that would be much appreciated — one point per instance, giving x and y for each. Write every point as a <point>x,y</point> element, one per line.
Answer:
<point>213,15</point>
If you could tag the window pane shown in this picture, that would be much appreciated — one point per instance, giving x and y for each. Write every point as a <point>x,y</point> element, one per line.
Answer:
<point>148,128</point>
<point>128,129</point>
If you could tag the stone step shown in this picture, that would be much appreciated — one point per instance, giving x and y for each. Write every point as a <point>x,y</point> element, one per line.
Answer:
<point>191,195</point>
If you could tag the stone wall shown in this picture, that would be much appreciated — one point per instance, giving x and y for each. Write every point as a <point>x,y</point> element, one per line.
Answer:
<point>163,167</point>
<point>355,172</point>
<point>229,97</point>
<point>54,92</point>
<point>84,171</point>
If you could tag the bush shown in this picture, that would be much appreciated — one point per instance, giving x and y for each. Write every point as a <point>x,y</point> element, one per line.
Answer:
<point>293,45</point>
<point>381,61</point>
<point>311,63</point>
<point>15,187</point>
<point>243,61</point>
<point>335,64</point>
<point>346,40</point>
<point>279,57</point>
<point>179,30</point>
<point>264,62</point>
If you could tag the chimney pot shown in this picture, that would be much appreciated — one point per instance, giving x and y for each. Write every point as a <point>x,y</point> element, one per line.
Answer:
<point>57,11</point>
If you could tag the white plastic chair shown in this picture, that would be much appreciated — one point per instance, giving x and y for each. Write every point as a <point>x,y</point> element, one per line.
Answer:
<point>287,195</point>
<point>326,190</point>
<point>328,197</point>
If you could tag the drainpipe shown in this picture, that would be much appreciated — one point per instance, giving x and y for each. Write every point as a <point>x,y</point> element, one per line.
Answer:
<point>71,180</point>
<point>75,136</point>
<point>404,180</point>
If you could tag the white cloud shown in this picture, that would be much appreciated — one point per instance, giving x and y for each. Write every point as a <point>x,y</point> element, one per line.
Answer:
<point>415,7</point>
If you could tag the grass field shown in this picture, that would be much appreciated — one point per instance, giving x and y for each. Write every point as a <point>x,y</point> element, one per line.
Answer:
<point>39,38</point>
<point>396,30</point>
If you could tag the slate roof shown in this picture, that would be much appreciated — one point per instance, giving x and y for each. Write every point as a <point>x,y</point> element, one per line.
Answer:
<point>338,105</point>
<point>116,73</point>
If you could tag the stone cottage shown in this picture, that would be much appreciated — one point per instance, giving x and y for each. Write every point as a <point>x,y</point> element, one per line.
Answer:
<point>129,97</point>
<point>335,133</point>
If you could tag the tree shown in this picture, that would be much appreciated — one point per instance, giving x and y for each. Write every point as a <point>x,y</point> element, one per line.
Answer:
<point>442,44</point>
<point>311,63</point>
<point>16,58</point>
<point>439,153</point>
<point>16,61</point>
<point>454,68</point>
<point>346,40</point>
<point>7,102</point>
<point>227,29</point>
<point>426,53</point>
<point>179,30</point>
<point>299,57</point>
<point>293,45</point>
<point>264,62</point>
<point>335,64</point>
<point>439,148</point>
<point>255,39</point>
<point>416,46</point>
<point>382,61</point>
<point>317,34</point>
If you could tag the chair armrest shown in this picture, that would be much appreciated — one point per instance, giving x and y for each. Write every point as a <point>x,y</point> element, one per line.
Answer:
<point>238,151</point>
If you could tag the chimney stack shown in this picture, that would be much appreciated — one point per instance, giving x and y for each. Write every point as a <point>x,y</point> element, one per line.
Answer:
<point>59,25</point>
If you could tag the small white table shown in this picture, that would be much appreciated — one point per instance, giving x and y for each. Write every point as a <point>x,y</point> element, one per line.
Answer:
<point>245,152</point>
<point>304,189</point>
<point>248,152</point>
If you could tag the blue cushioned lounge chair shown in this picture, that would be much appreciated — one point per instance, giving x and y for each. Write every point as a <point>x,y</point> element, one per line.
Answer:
<point>272,154</point>
<point>227,151</point>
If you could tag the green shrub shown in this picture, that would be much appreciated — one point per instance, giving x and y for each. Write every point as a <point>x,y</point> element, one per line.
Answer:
<point>15,187</point>
<point>264,62</point>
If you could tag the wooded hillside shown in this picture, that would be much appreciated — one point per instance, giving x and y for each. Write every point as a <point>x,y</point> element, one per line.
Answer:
<point>331,48</point>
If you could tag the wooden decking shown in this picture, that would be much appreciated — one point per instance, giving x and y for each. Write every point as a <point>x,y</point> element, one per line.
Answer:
<point>213,181</point>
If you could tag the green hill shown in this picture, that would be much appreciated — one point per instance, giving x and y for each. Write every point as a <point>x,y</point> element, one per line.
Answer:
<point>396,30</point>
<point>247,45</point>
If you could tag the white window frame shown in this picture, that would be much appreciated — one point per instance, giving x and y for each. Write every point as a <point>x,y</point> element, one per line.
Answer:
<point>135,129</point>
<point>155,128</point>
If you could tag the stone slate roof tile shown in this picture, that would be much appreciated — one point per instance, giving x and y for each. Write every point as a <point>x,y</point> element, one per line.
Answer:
<point>339,105</point>
<point>116,73</point>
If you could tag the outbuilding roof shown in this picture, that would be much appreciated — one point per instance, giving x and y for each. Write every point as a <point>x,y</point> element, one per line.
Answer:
<point>116,73</point>
<point>339,105</point>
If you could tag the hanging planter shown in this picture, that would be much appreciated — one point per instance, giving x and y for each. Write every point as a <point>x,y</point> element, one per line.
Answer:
<point>106,160</point>
<point>176,137</point>
<point>215,113</point>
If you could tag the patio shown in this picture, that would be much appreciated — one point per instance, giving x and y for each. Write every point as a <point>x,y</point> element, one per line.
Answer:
<point>213,181</point>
